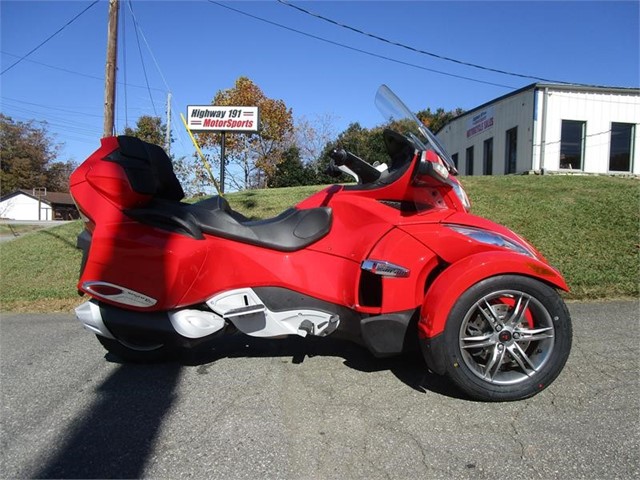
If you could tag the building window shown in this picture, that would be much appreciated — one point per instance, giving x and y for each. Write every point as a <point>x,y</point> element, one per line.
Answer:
<point>572,144</point>
<point>469,165</point>
<point>621,147</point>
<point>454,157</point>
<point>511,151</point>
<point>487,157</point>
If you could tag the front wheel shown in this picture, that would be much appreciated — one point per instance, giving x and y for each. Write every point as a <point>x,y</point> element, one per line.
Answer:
<point>507,338</point>
<point>135,353</point>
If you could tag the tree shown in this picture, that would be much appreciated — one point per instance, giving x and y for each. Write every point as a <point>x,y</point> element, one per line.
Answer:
<point>311,136</point>
<point>257,154</point>
<point>150,129</point>
<point>368,144</point>
<point>28,157</point>
<point>291,171</point>
<point>438,119</point>
<point>365,143</point>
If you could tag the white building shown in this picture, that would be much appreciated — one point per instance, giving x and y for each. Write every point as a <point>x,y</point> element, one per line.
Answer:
<point>549,127</point>
<point>37,205</point>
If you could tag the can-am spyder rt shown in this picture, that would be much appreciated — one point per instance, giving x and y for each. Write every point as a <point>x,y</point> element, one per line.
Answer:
<point>392,258</point>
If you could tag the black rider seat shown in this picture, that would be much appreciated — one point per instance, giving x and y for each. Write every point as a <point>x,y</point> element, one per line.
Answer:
<point>150,171</point>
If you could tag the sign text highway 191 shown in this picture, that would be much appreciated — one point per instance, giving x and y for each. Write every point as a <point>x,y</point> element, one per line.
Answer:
<point>222,119</point>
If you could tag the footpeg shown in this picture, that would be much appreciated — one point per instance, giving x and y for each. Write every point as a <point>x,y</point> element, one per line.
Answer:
<point>327,328</point>
<point>305,328</point>
<point>244,308</point>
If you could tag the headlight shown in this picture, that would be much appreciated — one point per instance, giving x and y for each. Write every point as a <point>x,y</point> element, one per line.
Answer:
<point>492,238</point>
<point>462,195</point>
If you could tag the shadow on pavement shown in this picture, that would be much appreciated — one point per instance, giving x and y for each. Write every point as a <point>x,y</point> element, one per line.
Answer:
<point>116,435</point>
<point>409,368</point>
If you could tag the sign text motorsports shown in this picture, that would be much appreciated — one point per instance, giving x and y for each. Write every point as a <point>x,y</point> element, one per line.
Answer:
<point>214,118</point>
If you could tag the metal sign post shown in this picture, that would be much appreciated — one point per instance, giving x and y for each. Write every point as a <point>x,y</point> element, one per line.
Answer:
<point>201,155</point>
<point>223,119</point>
<point>222,161</point>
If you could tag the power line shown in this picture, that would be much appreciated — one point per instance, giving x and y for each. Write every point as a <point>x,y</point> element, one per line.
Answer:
<point>179,132</point>
<point>50,113</point>
<point>74,72</point>
<point>87,75</point>
<point>55,116</point>
<point>417,50</point>
<point>153,57</point>
<point>584,137</point>
<point>144,70</point>
<point>47,39</point>
<point>67,126</point>
<point>48,107</point>
<point>365,52</point>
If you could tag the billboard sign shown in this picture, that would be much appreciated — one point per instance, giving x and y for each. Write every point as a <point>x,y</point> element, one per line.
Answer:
<point>480,122</point>
<point>212,118</point>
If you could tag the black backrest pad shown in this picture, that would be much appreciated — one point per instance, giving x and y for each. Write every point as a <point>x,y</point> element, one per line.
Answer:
<point>148,168</point>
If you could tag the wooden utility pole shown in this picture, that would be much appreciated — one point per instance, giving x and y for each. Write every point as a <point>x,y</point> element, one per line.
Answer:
<point>110,70</point>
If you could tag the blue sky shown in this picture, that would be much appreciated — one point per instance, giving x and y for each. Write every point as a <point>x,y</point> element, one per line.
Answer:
<point>196,48</point>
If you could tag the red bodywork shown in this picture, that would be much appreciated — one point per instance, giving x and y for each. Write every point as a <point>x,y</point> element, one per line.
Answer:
<point>178,271</point>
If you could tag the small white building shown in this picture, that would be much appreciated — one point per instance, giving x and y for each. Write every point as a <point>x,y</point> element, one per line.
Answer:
<point>549,128</point>
<point>37,205</point>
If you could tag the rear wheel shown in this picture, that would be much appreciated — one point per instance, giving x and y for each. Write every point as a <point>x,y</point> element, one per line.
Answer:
<point>507,338</point>
<point>135,353</point>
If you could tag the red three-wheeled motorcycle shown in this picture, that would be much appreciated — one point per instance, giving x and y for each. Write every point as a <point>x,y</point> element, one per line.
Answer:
<point>392,261</point>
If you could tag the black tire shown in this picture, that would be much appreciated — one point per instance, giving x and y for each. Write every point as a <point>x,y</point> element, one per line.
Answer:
<point>507,338</point>
<point>151,353</point>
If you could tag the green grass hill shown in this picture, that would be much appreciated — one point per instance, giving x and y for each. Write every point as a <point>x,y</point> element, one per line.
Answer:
<point>587,226</point>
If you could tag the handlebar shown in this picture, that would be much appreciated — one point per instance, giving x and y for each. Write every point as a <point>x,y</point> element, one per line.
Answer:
<point>332,170</point>
<point>339,156</point>
<point>365,171</point>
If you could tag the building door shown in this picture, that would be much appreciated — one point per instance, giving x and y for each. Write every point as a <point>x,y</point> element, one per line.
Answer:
<point>469,162</point>
<point>572,144</point>
<point>487,157</point>
<point>511,151</point>
<point>621,147</point>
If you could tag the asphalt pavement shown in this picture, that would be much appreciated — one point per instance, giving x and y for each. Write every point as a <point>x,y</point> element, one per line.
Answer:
<point>309,408</point>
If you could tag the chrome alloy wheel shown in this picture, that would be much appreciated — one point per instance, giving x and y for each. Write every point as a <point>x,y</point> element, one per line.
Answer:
<point>506,337</point>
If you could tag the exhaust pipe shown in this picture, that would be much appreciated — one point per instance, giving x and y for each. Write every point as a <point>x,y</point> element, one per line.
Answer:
<point>89,315</point>
<point>189,324</point>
